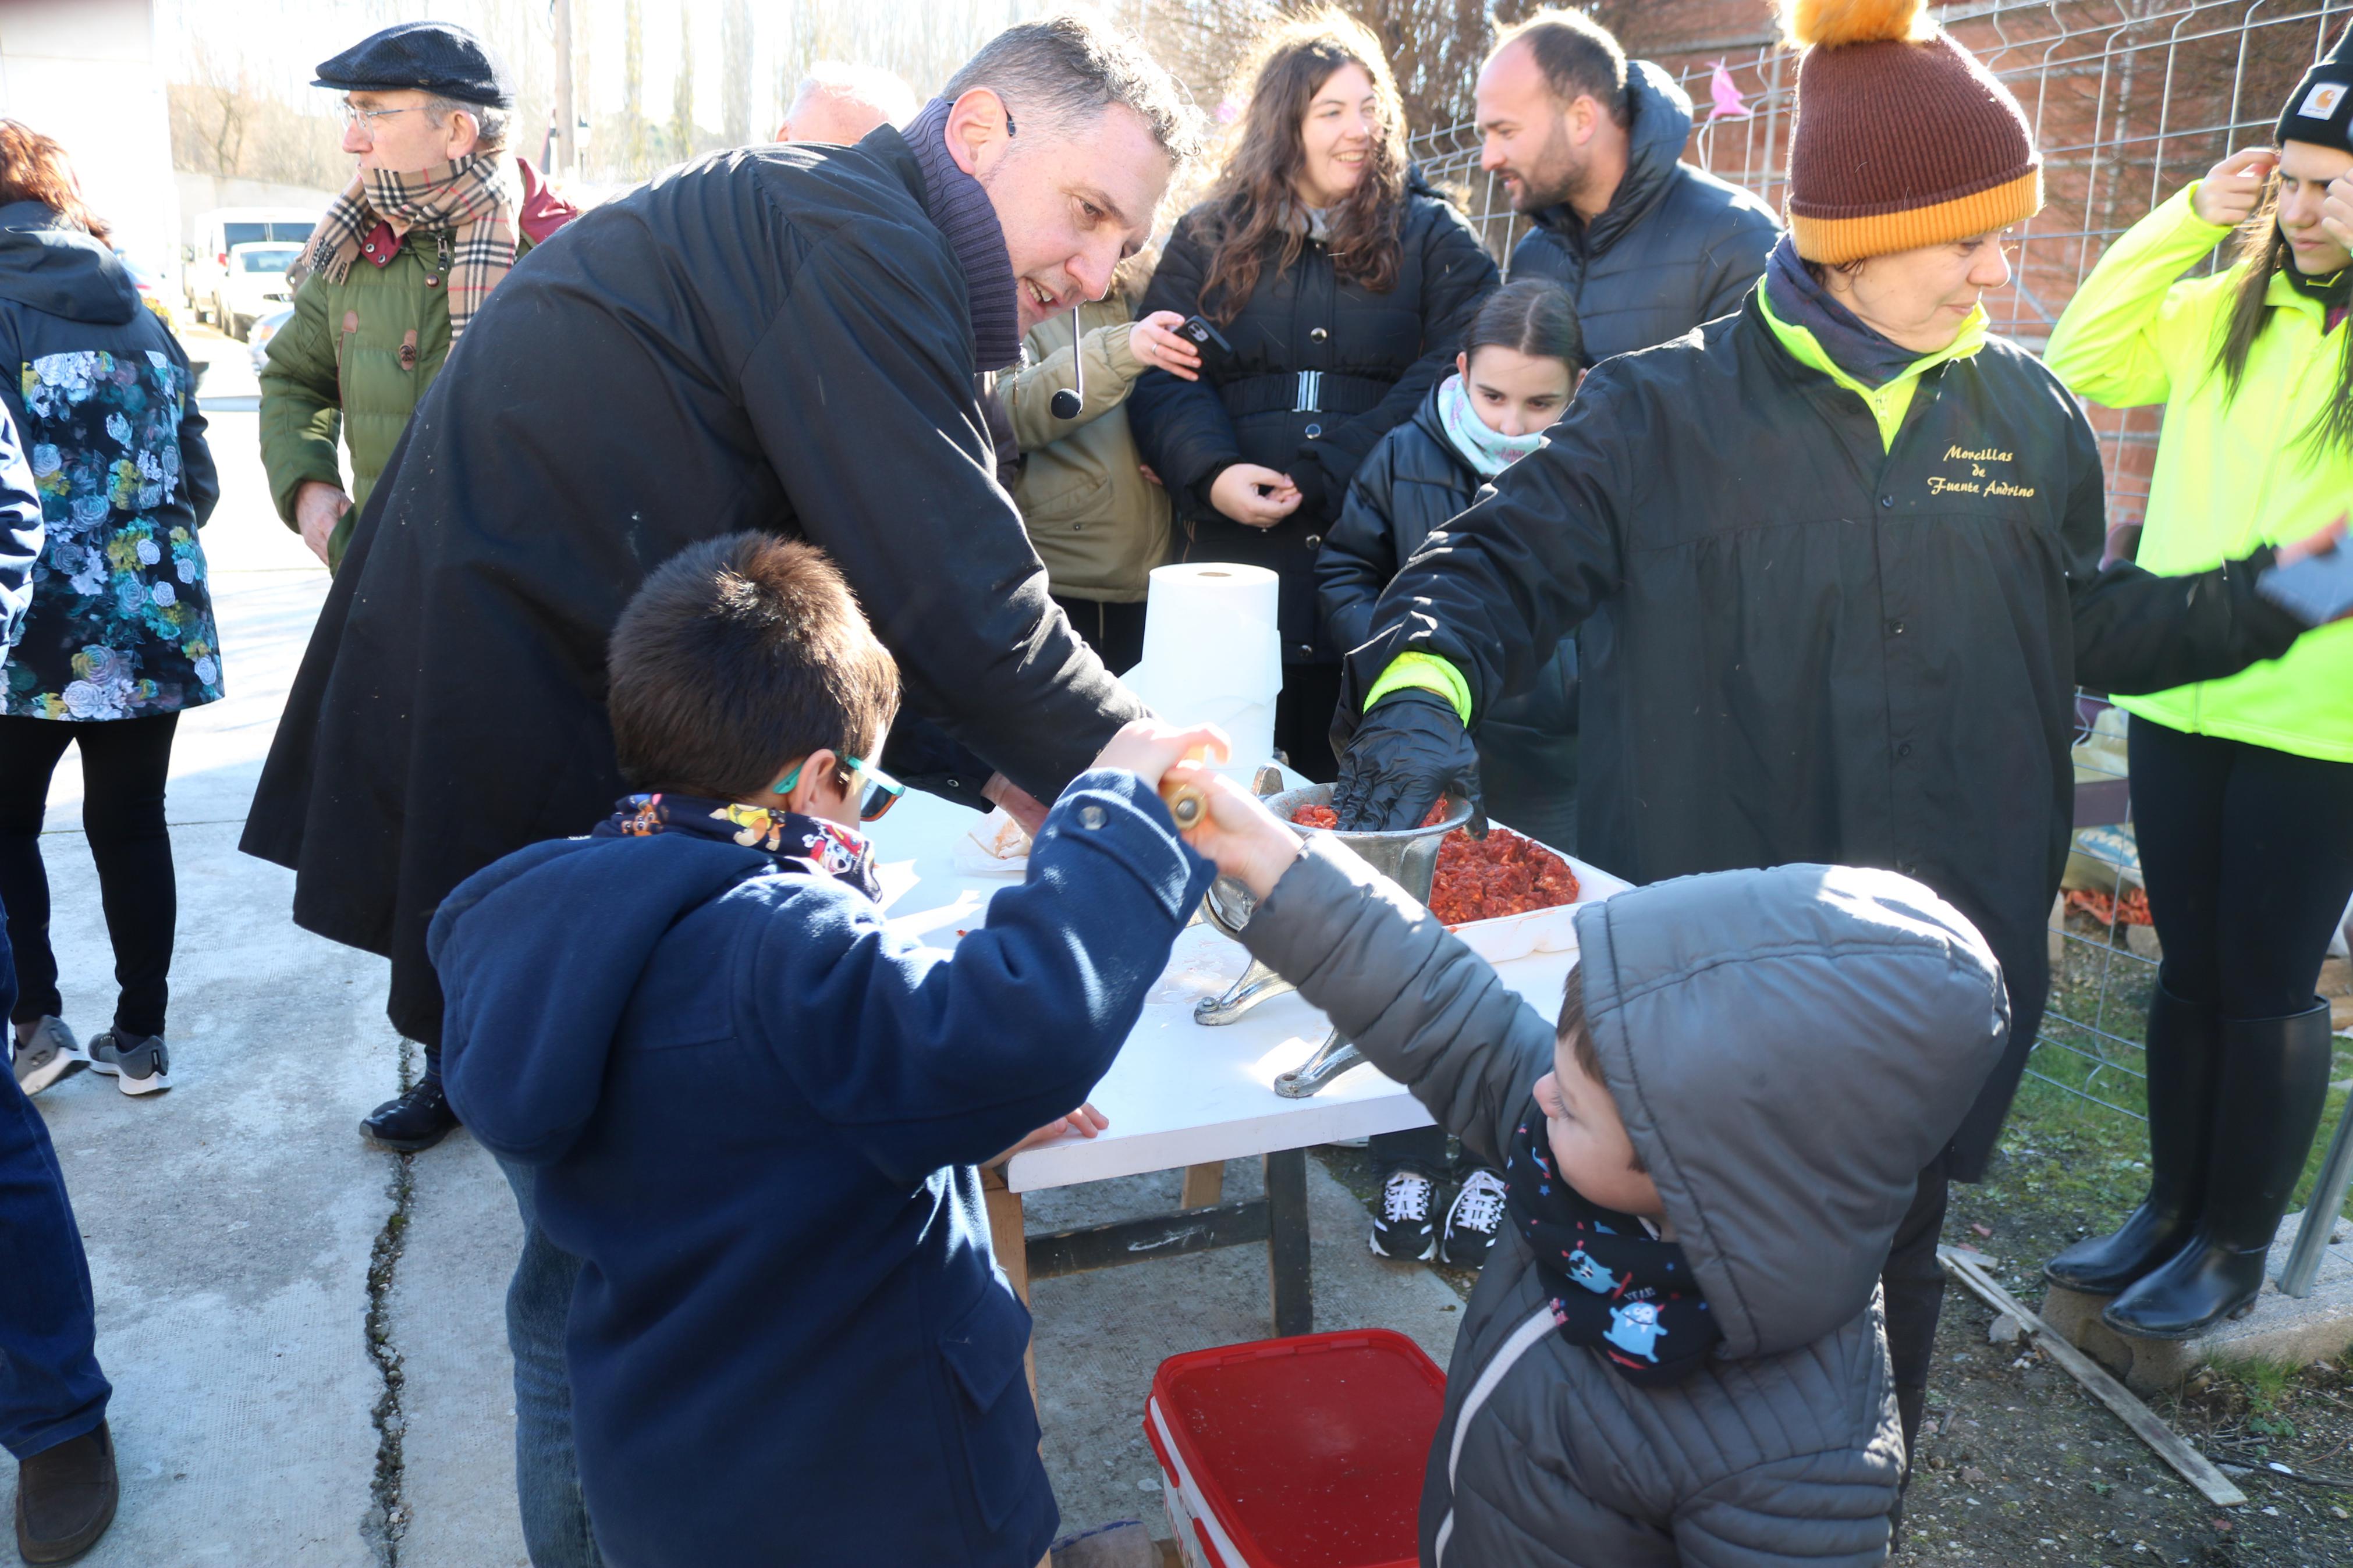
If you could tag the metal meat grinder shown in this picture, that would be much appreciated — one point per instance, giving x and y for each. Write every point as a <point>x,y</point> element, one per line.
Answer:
<point>1407,858</point>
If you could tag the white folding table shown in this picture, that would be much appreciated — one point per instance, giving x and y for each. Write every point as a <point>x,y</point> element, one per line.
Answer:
<point>1179,1095</point>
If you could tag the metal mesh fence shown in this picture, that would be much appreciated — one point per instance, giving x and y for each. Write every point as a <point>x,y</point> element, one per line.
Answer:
<point>2130,101</point>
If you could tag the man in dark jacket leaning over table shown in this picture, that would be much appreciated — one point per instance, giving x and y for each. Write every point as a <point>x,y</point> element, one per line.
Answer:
<point>782,338</point>
<point>1849,545</point>
<point>1589,146</point>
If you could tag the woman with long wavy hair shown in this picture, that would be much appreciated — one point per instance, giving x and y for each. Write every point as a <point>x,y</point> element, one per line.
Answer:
<point>1344,285</point>
<point>2242,789</point>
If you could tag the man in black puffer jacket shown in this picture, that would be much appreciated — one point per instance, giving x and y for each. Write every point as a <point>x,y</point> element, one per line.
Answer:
<point>1589,146</point>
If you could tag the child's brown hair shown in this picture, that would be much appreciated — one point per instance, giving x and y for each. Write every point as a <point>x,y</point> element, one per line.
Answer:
<point>736,656</point>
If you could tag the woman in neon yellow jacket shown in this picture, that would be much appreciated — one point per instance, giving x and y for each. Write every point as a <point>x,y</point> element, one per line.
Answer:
<point>2242,788</point>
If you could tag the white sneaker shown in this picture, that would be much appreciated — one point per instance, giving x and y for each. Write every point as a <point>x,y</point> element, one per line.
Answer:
<point>1471,1223</point>
<point>1403,1229</point>
<point>139,1064</point>
<point>48,1054</point>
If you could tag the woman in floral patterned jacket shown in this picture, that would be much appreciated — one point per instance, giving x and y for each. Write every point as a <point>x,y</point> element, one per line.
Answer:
<point>120,635</point>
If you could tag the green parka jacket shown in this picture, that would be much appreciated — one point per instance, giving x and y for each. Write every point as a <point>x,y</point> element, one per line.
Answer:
<point>357,356</point>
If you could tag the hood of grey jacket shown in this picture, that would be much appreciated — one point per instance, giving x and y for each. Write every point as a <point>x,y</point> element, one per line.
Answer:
<point>1788,1048</point>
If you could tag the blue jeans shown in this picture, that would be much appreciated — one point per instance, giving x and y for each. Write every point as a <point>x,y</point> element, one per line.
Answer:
<point>548,1471</point>
<point>50,1388</point>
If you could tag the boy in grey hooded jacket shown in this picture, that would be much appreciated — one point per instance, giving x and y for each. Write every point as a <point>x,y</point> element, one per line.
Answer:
<point>1786,1049</point>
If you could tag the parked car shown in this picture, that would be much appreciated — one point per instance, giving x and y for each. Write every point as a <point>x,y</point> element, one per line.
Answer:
<point>151,289</point>
<point>206,257</point>
<point>258,336</point>
<point>254,285</point>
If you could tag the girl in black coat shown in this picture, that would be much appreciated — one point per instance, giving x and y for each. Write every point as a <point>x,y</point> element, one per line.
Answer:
<point>1518,368</point>
<point>1343,286</point>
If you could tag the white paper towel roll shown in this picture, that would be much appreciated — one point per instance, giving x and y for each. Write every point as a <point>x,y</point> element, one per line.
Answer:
<point>1213,654</point>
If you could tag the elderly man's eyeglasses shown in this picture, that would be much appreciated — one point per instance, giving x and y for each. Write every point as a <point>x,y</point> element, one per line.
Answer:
<point>366,118</point>
<point>882,791</point>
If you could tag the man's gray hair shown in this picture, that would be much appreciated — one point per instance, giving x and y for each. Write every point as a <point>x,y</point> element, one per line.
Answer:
<point>868,86</point>
<point>489,123</point>
<point>1061,73</point>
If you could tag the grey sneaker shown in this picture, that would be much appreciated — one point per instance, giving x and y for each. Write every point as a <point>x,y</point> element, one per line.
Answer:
<point>139,1064</point>
<point>49,1053</point>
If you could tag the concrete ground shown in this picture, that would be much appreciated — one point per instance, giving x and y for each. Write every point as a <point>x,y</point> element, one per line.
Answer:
<point>305,1334</point>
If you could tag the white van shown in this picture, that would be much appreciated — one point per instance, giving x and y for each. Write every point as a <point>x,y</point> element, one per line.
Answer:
<point>223,228</point>
<point>254,286</point>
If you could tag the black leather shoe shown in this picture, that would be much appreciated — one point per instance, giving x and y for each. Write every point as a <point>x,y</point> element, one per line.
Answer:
<point>417,1120</point>
<point>65,1496</point>
<point>2183,1057</point>
<point>2273,1081</point>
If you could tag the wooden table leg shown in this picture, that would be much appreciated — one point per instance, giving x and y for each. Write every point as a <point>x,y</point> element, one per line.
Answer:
<point>1008,1238</point>
<point>1288,1275</point>
<point>1205,1185</point>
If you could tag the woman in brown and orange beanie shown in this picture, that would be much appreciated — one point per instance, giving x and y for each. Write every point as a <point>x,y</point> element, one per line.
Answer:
<point>1847,541</point>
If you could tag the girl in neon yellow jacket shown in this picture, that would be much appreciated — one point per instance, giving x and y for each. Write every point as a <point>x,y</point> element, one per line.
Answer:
<point>2242,788</point>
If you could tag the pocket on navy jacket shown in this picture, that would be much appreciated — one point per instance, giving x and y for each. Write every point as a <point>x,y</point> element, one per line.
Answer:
<point>984,1351</point>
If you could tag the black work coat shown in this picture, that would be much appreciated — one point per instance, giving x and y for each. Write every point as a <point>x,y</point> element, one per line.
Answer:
<point>1378,356</point>
<point>775,337</point>
<point>1676,246</point>
<point>1411,486</point>
<point>1816,648</point>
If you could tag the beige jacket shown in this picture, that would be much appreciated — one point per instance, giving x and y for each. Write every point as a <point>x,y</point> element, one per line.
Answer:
<point>1098,525</point>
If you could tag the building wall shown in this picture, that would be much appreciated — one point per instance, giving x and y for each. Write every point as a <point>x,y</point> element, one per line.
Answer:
<point>87,72</point>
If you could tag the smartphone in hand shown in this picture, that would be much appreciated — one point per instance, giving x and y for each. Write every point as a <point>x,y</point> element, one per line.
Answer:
<point>2316,590</point>
<point>1208,341</point>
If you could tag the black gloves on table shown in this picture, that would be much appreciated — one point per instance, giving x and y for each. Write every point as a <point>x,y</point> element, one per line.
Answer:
<point>1404,752</point>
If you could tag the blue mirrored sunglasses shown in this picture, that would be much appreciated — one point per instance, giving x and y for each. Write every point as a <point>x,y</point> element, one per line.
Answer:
<point>882,791</point>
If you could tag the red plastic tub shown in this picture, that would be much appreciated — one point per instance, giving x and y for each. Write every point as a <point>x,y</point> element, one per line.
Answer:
<point>1301,1453</point>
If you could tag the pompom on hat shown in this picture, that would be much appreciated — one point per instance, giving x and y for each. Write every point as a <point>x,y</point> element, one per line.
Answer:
<point>1903,138</point>
<point>2320,109</point>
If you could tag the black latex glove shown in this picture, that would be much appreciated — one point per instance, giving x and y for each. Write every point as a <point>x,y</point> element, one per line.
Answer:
<point>1403,755</point>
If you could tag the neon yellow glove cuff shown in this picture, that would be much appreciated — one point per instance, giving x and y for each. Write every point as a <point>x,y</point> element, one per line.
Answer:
<point>1425,672</point>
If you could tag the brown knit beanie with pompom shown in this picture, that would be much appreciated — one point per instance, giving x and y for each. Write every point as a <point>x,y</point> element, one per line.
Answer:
<point>1902,139</point>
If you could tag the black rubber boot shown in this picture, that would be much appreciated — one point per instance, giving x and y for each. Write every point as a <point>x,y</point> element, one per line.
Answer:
<point>65,1496</point>
<point>417,1120</point>
<point>2183,1059</point>
<point>2273,1083</point>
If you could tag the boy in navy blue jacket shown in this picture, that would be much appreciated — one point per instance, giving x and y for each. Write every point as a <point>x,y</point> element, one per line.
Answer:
<point>755,1117</point>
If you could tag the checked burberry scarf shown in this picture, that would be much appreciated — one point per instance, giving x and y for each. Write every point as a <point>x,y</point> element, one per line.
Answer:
<point>469,207</point>
<point>1616,1287</point>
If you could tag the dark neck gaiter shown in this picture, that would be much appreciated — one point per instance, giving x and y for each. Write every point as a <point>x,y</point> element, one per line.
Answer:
<point>956,201</point>
<point>1854,348</point>
<point>1617,1290</point>
<point>2331,291</point>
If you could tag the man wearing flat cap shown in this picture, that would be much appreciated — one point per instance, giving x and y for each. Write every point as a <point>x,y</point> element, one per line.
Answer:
<point>434,217</point>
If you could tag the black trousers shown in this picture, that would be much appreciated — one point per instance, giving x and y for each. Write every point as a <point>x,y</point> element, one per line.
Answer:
<point>1912,1291</point>
<point>1422,1146</point>
<point>1114,631</point>
<point>2247,853</point>
<point>1302,719</point>
<point>124,762</point>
